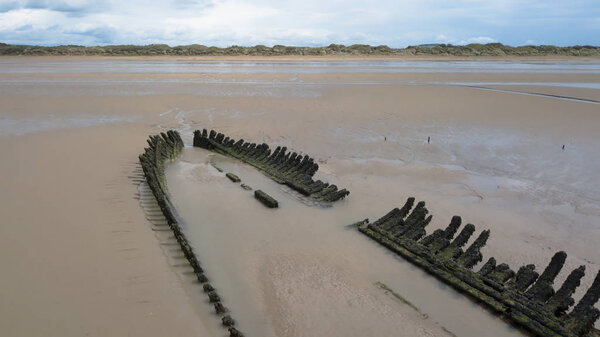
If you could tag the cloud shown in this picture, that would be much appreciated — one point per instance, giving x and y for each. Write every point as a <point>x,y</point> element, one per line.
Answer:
<point>8,5</point>
<point>441,38</point>
<point>309,22</point>
<point>36,18</point>
<point>481,39</point>
<point>96,34</point>
<point>67,6</point>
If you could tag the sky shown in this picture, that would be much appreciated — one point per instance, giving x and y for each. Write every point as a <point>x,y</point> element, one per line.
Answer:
<point>225,23</point>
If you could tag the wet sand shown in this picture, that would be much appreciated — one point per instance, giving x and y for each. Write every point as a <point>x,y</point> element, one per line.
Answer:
<point>79,257</point>
<point>300,270</point>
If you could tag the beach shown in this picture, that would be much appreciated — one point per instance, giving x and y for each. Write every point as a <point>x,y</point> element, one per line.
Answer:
<point>80,258</point>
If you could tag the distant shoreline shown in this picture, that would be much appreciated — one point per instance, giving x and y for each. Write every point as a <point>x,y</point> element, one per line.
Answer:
<point>305,58</point>
<point>442,51</point>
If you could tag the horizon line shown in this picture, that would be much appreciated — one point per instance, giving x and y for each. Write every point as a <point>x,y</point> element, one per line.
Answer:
<point>333,44</point>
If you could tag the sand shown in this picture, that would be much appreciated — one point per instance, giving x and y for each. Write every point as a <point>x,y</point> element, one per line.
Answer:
<point>300,271</point>
<point>79,257</point>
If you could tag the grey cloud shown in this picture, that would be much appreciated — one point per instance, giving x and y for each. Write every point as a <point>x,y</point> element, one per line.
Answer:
<point>25,28</point>
<point>8,5</point>
<point>31,36</point>
<point>99,35</point>
<point>193,4</point>
<point>66,6</point>
<point>309,22</point>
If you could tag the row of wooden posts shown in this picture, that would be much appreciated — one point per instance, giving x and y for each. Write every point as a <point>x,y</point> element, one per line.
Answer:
<point>162,148</point>
<point>525,297</point>
<point>289,168</point>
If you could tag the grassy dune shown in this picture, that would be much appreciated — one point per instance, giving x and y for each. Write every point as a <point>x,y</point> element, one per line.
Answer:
<point>490,49</point>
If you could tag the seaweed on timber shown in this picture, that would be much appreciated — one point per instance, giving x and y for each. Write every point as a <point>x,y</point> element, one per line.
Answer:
<point>289,168</point>
<point>164,147</point>
<point>525,297</point>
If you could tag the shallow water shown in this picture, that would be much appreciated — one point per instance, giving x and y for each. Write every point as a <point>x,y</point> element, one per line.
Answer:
<point>277,79</point>
<point>299,67</point>
<point>495,158</point>
<point>30,125</point>
<point>300,270</point>
<point>496,178</point>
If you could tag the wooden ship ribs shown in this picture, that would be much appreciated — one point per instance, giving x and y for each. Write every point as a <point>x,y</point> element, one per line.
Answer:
<point>527,298</point>
<point>161,149</point>
<point>289,168</point>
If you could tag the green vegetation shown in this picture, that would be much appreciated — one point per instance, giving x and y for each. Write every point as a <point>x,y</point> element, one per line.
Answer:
<point>475,49</point>
<point>384,286</point>
<point>216,167</point>
<point>291,169</point>
<point>233,177</point>
<point>525,297</point>
<point>163,148</point>
<point>448,332</point>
